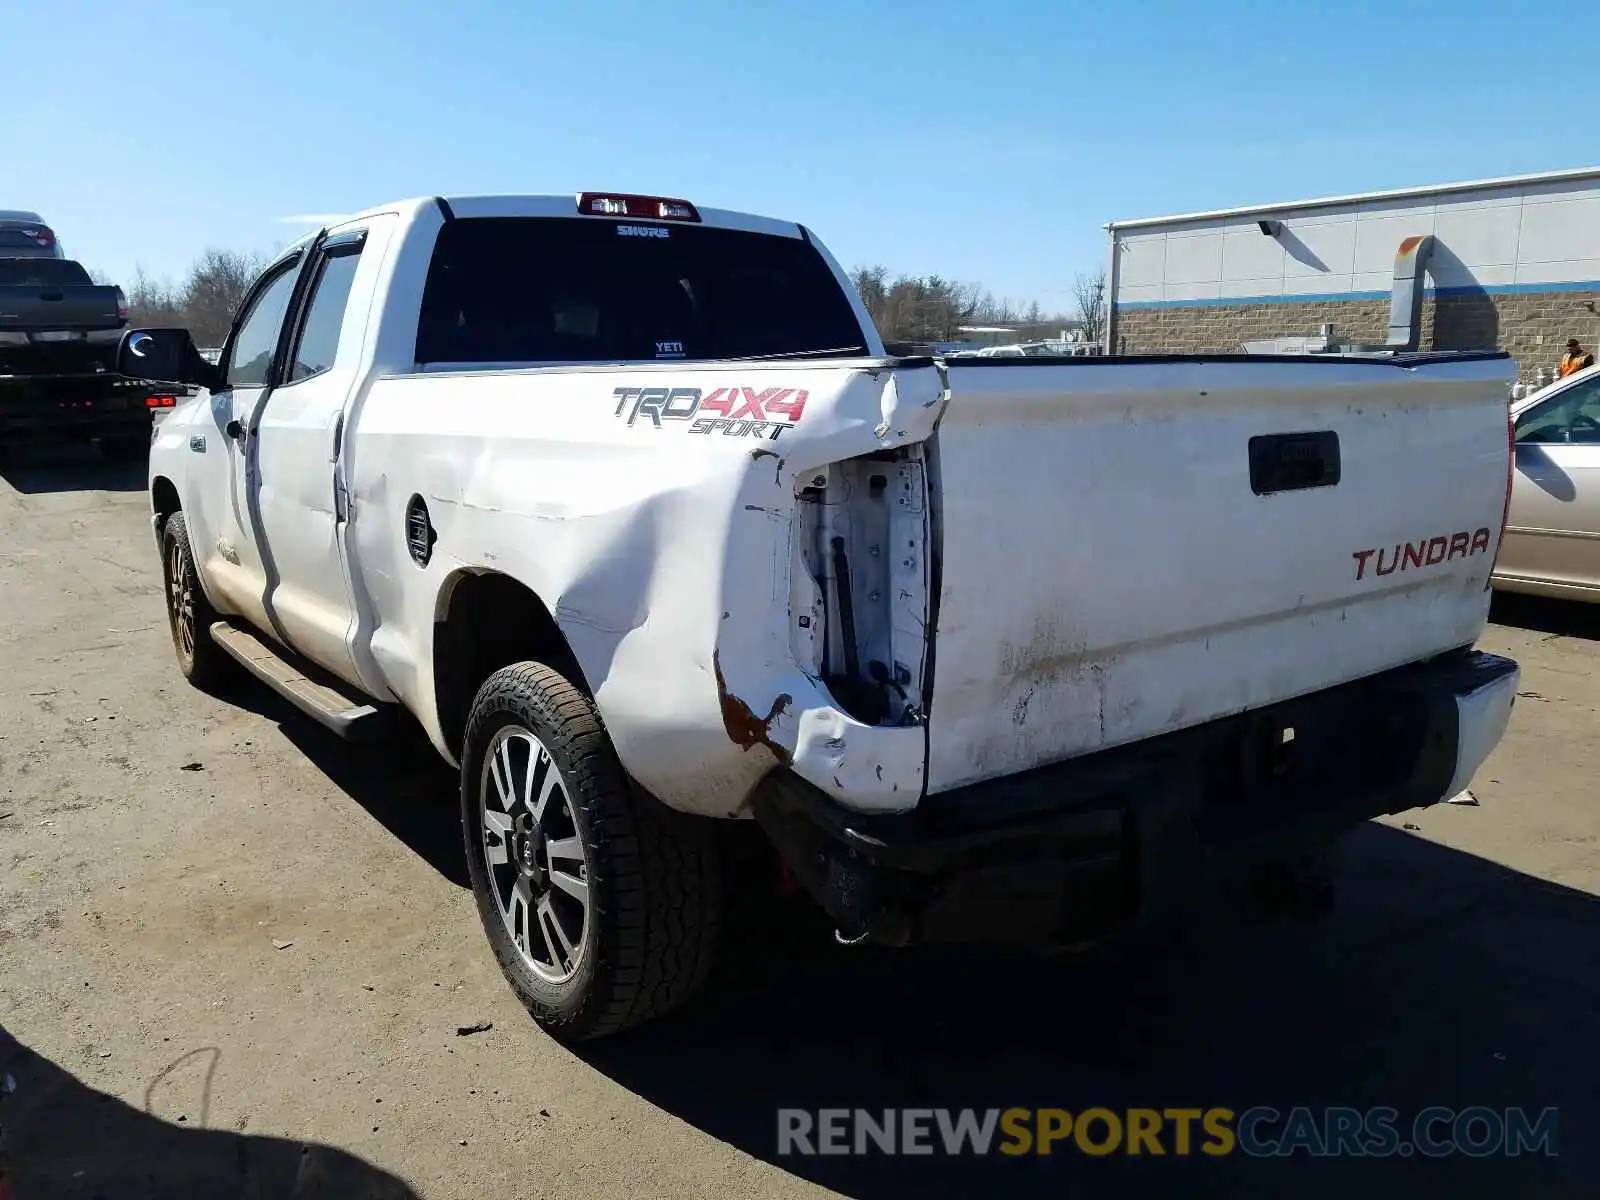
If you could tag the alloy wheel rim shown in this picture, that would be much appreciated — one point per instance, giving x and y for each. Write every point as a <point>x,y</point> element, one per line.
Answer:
<point>181,601</point>
<point>537,870</point>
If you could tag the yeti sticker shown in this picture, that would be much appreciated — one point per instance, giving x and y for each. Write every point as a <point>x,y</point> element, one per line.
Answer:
<point>669,349</point>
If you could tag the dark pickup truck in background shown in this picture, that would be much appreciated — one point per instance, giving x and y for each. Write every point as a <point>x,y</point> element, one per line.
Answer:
<point>59,332</point>
<point>52,315</point>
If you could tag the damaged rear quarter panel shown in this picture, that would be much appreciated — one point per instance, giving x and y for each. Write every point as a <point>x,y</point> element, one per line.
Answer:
<point>662,553</point>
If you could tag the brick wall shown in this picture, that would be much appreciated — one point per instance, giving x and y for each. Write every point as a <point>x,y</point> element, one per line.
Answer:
<point>1455,322</point>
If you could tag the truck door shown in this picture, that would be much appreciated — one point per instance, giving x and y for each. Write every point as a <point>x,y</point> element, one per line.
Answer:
<point>233,566</point>
<point>297,493</point>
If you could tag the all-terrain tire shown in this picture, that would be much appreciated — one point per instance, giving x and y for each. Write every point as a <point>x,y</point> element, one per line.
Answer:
<point>652,925</point>
<point>189,613</point>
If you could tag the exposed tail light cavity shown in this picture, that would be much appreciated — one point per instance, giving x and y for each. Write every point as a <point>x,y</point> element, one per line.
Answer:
<point>859,597</point>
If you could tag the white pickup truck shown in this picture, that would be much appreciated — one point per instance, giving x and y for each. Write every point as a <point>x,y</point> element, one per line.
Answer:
<point>624,502</point>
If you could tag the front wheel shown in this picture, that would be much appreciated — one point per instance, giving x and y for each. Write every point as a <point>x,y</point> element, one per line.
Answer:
<point>603,906</point>
<point>189,613</point>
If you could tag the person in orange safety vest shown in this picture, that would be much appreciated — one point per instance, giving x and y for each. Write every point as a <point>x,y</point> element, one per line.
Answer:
<point>1575,359</point>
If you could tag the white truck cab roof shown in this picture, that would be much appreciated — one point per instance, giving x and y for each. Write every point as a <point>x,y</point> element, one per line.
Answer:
<point>563,205</point>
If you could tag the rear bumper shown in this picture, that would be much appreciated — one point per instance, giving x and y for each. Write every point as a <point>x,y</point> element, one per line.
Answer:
<point>1083,849</point>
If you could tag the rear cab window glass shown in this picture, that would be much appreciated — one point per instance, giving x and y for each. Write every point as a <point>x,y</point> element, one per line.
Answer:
<point>41,272</point>
<point>318,342</point>
<point>583,290</point>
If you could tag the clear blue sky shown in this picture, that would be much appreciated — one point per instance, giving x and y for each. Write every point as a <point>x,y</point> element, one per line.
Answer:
<point>986,142</point>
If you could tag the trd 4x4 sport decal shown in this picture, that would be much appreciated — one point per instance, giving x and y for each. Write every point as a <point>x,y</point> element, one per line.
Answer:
<point>740,411</point>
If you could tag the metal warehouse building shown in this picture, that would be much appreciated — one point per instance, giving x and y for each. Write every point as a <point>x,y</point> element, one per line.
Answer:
<point>1510,263</point>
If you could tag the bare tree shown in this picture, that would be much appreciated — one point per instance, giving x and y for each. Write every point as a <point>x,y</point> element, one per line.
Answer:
<point>204,303</point>
<point>872,285</point>
<point>932,308</point>
<point>1003,311</point>
<point>153,303</point>
<point>215,288</point>
<point>1089,293</point>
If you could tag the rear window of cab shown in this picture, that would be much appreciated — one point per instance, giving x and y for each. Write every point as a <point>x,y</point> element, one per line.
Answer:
<point>586,290</point>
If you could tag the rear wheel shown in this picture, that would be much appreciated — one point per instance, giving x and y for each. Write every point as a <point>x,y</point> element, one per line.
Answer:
<point>189,613</point>
<point>603,906</point>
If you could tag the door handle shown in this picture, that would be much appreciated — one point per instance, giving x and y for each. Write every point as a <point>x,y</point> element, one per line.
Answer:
<point>234,430</point>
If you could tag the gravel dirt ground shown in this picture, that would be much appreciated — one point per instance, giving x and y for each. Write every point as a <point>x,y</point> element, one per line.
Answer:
<point>240,953</point>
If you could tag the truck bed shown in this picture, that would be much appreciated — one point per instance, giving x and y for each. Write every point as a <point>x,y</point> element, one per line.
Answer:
<point>68,308</point>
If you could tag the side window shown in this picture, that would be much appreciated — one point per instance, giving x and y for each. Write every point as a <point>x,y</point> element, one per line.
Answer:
<point>318,341</point>
<point>250,357</point>
<point>1571,417</point>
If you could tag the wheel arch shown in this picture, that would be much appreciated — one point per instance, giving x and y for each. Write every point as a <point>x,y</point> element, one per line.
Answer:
<point>164,500</point>
<point>484,620</point>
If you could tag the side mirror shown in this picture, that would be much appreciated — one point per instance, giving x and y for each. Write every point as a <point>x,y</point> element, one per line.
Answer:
<point>164,356</point>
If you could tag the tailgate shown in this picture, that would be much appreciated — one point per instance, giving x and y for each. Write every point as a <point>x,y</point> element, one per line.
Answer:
<point>32,308</point>
<point>1115,566</point>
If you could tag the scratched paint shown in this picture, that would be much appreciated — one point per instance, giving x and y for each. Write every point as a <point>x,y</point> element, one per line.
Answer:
<point>745,729</point>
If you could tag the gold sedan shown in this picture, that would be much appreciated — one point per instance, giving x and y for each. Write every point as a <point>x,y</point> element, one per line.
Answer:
<point>1552,539</point>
